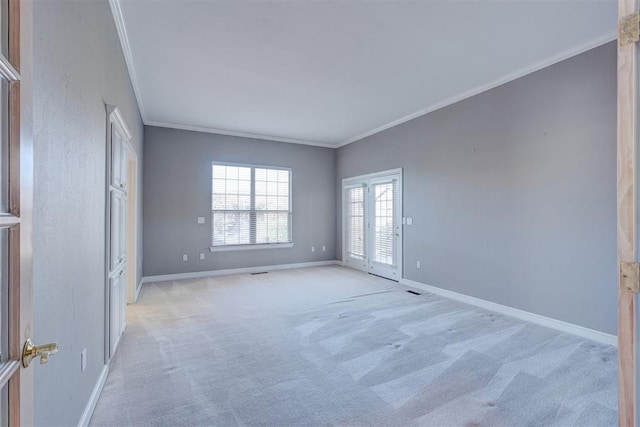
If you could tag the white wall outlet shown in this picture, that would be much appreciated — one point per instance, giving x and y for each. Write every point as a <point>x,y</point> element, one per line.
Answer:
<point>404,221</point>
<point>313,248</point>
<point>83,360</point>
<point>200,220</point>
<point>409,221</point>
<point>417,264</point>
<point>185,257</point>
<point>324,248</point>
<point>201,256</point>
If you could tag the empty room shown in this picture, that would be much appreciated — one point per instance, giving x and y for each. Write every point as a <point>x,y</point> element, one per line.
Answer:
<point>314,212</point>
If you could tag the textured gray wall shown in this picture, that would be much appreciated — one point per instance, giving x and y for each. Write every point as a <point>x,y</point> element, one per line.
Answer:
<point>513,191</point>
<point>78,66</point>
<point>177,190</point>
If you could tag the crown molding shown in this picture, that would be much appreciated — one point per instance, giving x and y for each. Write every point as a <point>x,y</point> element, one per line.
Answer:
<point>547,62</point>
<point>235,133</point>
<point>126,51</point>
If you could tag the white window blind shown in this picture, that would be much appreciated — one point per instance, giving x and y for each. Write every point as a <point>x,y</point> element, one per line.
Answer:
<point>385,198</point>
<point>355,223</point>
<point>250,205</point>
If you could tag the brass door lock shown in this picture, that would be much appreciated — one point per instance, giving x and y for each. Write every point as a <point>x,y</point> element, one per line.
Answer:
<point>31,351</point>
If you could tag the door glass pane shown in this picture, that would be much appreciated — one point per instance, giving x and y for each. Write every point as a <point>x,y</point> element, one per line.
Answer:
<point>4,145</point>
<point>384,223</point>
<point>355,223</point>
<point>4,294</point>
<point>4,406</point>
<point>4,28</point>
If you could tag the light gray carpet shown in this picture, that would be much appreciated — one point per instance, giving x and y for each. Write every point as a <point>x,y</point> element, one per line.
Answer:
<point>332,346</point>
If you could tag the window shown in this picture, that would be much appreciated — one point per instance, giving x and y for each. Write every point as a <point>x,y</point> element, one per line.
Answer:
<point>250,206</point>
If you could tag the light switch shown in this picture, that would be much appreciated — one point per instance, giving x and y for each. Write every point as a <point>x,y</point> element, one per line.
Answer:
<point>200,220</point>
<point>201,256</point>
<point>409,221</point>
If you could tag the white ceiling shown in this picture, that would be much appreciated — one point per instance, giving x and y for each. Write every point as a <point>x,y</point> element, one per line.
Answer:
<point>331,72</point>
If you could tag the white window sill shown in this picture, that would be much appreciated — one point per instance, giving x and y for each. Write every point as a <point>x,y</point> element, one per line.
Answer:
<point>231,248</point>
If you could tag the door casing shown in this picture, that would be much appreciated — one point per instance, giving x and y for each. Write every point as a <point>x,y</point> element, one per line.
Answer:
<point>627,175</point>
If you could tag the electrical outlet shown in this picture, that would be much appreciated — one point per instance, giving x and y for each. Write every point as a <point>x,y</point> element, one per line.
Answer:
<point>201,256</point>
<point>313,248</point>
<point>200,220</point>
<point>324,248</point>
<point>83,360</point>
<point>185,257</point>
<point>417,264</point>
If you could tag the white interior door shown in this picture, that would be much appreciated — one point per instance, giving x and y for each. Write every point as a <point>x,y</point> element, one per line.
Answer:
<point>372,218</point>
<point>118,136</point>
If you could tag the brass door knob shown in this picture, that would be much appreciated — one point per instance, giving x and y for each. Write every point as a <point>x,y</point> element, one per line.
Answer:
<point>31,351</point>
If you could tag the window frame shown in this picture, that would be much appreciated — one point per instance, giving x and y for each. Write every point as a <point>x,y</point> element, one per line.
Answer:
<point>252,210</point>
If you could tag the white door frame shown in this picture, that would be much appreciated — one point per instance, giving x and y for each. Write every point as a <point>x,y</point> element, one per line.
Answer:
<point>114,117</point>
<point>354,180</point>
<point>132,225</point>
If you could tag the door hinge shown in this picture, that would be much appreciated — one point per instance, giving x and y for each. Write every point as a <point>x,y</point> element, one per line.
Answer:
<point>630,276</point>
<point>629,29</point>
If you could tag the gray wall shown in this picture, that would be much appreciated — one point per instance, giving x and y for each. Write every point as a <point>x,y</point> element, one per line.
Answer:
<point>78,67</point>
<point>513,191</point>
<point>177,190</point>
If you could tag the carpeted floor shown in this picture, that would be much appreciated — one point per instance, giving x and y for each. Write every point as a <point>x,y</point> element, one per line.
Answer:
<point>332,346</point>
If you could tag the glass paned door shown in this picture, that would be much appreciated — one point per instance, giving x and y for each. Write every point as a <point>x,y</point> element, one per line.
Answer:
<point>16,191</point>
<point>372,232</point>
<point>355,239</point>
<point>384,227</point>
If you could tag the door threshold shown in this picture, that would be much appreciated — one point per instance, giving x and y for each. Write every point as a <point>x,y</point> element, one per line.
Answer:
<point>382,277</point>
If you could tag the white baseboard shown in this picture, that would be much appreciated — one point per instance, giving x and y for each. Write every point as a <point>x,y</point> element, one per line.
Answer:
<point>559,325</point>
<point>93,400</point>
<point>257,269</point>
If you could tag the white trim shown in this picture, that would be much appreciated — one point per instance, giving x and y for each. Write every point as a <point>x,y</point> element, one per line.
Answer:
<point>115,116</point>
<point>126,51</point>
<point>548,322</point>
<point>232,248</point>
<point>93,399</point>
<point>356,179</point>
<point>236,133</point>
<point>138,289</point>
<point>214,273</point>
<point>7,70</point>
<point>592,44</point>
